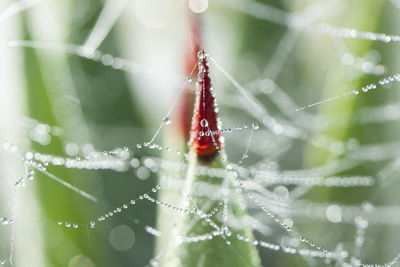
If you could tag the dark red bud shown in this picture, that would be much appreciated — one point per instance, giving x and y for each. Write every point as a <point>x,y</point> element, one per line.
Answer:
<point>205,134</point>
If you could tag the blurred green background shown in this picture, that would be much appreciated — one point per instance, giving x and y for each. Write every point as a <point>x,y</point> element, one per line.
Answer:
<point>84,103</point>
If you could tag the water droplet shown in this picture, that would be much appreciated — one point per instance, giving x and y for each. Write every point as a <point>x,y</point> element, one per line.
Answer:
<point>166,120</point>
<point>198,6</point>
<point>204,123</point>
<point>154,263</point>
<point>188,79</point>
<point>75,225</point>
<point>4,221</point>
<point>245,155</point>
<point>355,92</point>
<point>28,155</point>
<point>255,126</point>
<point>142,173</point>
<point>122,237</point>
<point>59,222</point>
<point>67,224</point>
<point>92,224</point>
<point>201,54</point>
<point>334,213</point>
<point>139,146</point>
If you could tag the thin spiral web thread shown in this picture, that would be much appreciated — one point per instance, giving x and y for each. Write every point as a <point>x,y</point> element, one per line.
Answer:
<point>274,196</point>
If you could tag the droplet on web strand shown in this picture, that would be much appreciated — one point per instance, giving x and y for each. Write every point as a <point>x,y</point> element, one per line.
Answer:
<point>204,123</point>
<point>166,120</point>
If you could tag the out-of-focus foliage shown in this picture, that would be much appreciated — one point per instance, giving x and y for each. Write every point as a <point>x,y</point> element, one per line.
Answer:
<point>82,102</point>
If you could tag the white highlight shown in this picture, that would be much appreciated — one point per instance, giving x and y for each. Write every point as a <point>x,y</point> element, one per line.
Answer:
<point>198,6</point>
<point>334,213</point>
<point>108,16</point>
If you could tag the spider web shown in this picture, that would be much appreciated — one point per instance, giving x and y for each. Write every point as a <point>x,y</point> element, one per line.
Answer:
<point>267,127</point>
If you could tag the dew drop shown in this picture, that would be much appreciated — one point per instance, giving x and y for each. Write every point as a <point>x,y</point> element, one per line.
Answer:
<point>135,163</point>
<point>59,222</point>
<point>28,155</point>
<point>75,225</point>
<point>152,146</point>
<point>355,92</point>
<point>204,123</point>
<point>154,263</point>
<point>334,213</point>
<point>198,6</point>
<point>166,120</point>
<point>67,224</point>
<point>255,126</point>
<point>201,54</point>
<point>122,237</point>
<point>4,221</point>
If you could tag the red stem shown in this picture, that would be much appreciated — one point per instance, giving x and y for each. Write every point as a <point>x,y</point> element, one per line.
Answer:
<point>191,49</point>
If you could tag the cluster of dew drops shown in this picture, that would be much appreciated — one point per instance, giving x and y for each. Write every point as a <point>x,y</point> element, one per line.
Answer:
<point>203,123</point>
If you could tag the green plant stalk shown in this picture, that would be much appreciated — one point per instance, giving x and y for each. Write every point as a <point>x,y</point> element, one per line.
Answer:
<point>221,250</point>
